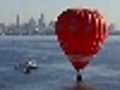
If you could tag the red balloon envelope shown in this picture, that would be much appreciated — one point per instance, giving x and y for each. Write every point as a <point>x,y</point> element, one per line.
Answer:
<point>81,34</point>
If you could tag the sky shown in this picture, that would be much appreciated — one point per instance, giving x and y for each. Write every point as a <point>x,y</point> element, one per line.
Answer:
<point>52,8</point>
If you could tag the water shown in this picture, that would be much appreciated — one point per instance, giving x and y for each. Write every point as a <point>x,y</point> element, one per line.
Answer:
<point>55,71</point>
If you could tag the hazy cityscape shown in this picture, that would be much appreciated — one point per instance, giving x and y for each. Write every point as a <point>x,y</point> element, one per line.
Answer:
<point>32,27</point>
<point>39,27</point>
<point>113,30</point>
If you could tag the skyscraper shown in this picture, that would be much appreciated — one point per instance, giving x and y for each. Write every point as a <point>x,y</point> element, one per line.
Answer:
<point>18,29</point>
<point>42,17</point>
<point>32,26</point>
<point>18,21</point>
<point>41,23</point>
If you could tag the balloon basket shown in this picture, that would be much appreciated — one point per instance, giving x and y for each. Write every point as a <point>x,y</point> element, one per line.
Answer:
<point>78,77</point>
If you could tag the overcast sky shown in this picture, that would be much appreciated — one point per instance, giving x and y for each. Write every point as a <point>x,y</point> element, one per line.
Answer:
<point>52,8</point>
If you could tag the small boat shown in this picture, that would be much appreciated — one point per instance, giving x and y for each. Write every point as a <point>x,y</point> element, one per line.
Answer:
<point>31,65</point>
<point>27,66</point>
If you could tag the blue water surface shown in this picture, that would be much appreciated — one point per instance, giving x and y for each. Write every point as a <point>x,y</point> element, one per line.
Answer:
<point>55,71</point>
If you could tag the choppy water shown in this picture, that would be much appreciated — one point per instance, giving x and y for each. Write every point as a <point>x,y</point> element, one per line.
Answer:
<point>55,72</point>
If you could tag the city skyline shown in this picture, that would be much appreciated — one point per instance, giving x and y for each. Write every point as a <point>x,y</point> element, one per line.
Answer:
<point>37,27</point>
<point>32,27</point>
<point>32,8</point>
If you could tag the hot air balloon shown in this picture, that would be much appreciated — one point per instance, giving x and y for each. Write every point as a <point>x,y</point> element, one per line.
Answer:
<point>81,34</point>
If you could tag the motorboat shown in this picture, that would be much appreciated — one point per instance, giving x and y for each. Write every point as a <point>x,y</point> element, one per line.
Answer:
<point>27,66</point>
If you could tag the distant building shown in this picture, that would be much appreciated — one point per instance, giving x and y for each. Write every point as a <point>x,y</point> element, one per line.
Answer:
<point>113,30</point>
<point>41,24</point>
<point>50,28</point>
<point>25,29</point>
<point>32,26</point>
<point>2,28</point>
<point>18,27</point>
<point>11,30</point>
<point>112,27</point>
<point>18,21</point>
